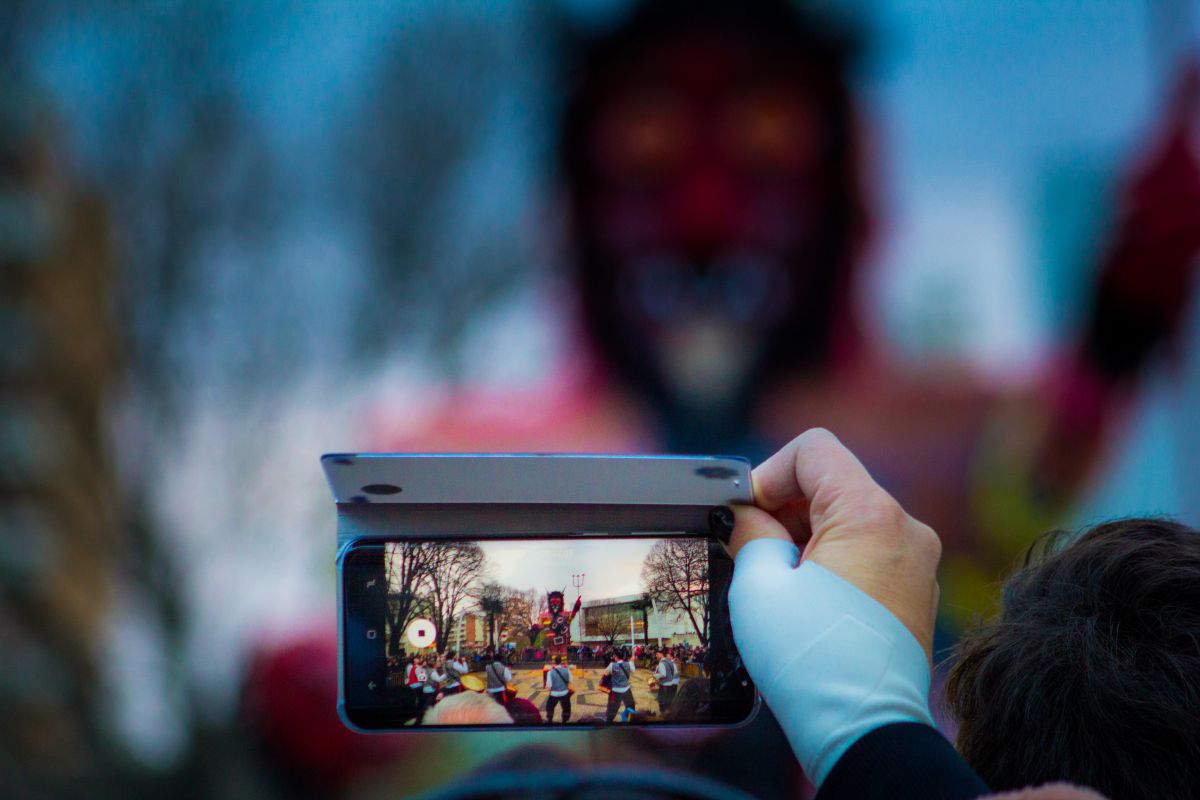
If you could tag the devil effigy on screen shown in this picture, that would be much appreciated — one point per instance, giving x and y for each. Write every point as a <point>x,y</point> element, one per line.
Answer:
<point>553,631</point>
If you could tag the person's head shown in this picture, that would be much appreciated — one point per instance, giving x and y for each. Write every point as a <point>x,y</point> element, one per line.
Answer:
<point>1091,671</point>
<point>466,708</point>
<point>558,659</point>
<point>710,155</point>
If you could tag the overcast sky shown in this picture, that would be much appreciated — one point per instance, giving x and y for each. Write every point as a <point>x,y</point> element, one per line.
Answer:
<point>613,567</point>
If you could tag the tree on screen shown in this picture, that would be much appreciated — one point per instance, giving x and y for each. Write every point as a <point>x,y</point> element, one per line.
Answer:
<point>521,612</point>
<point>644,605</point>
<point>406,568</point>
<point>454,574</point>
<point>535,605</point>
<point>490,600</point>
<point>608,624</point>
<point>675,575</point>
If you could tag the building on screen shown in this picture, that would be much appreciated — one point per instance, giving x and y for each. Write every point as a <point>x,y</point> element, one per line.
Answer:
<point>598,621</point>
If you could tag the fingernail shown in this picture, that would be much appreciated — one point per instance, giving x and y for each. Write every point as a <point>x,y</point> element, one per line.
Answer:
<point>720,522</point>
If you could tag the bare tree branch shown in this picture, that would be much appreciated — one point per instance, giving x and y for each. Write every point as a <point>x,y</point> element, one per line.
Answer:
<point>609,624</point>
<point>454,574</point>
<point>406,569</point>
<point>675,575</point>
<point>536,604</point>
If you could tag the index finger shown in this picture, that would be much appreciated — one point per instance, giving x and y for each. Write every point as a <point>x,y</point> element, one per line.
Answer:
<point>808,468</point>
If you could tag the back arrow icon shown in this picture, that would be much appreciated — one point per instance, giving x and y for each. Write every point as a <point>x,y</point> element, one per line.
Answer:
<point>371,686</point>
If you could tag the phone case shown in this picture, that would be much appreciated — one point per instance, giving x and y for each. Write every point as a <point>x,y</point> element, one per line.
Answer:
<point>379,495</point>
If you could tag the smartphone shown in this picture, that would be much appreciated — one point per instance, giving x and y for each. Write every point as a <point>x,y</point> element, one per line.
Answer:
<point>502,592</point>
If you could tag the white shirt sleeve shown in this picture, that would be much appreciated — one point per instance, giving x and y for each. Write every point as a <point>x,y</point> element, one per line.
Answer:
<point>863,669</point>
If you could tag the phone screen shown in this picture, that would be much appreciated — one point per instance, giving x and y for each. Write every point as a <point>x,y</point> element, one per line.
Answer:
<point>577,631</point>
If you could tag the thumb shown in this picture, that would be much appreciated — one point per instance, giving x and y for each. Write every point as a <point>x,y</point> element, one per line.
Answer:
<point>752,523</point>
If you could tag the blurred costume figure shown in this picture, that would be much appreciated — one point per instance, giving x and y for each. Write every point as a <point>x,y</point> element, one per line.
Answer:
<point>712,164</point>
<point>719,220</point>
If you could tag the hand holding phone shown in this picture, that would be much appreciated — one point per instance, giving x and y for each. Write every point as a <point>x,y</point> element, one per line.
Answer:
<point>481,591</point>
<point>859,606</point>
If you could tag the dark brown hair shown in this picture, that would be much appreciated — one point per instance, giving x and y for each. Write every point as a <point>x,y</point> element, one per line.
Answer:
<point>1091,672</point>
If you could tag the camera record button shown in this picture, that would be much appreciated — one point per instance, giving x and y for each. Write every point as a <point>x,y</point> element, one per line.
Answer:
<point>421,633</point>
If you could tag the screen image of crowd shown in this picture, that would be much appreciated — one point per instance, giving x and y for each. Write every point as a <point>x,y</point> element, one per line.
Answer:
<point>499,655</point>
<point>590,686</point>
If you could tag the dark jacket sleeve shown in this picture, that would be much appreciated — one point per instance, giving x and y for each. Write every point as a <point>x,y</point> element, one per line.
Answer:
<point>902,761</point>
